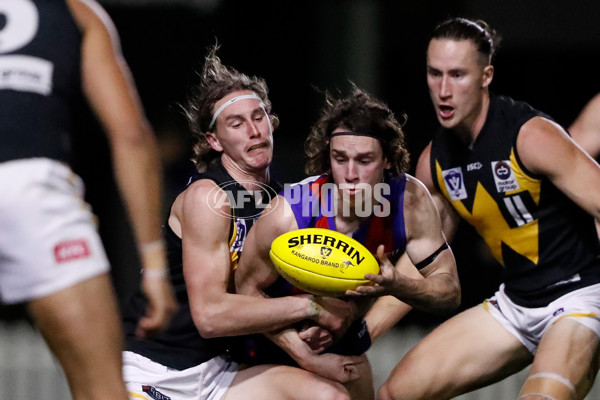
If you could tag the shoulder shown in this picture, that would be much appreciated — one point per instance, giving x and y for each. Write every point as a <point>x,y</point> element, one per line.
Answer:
<point>538,129</point>
<point>89,12</point>
<point>200,197</point>
<point>420,210</point>
<point>203,192</point>
<point>90,15</point>
<point>541,139</point>
<point>416,193</point>
<point>423,169</point>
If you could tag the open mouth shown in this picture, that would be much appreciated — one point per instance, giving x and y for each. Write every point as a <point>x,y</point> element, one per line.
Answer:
<point>257,146</point>
<point>446,111</point>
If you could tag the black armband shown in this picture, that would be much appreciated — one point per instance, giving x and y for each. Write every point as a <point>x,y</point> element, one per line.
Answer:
<point>432,257</point>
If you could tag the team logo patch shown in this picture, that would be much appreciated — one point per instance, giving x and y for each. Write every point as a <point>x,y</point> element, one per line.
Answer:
<point>155,394</point>
<point>504,176</point>
<point>71,250</point>
<point>241,231</point>
<point>455,183</point>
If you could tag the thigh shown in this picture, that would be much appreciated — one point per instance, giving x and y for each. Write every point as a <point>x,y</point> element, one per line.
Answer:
<point>279,382</point>
<point>49,241</point>
<point>147,379</point>
<point>568,354</point>
<point>82,328</point>
<point>468,351</point>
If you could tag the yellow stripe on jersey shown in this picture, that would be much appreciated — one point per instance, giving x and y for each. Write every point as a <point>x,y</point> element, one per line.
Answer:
<point>486,305</point>
<point>139,396</point>
<point>234,255</point>
<point>489,221</point>
<point>526,182</point>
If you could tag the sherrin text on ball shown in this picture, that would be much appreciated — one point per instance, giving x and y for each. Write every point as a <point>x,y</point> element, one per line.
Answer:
<point>322,261</point>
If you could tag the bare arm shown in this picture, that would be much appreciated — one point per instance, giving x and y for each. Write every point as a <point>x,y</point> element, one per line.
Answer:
<point>545,148</point>
<point>256,272</point>
<point>216,310</point>
<point>585,130</point>
<point>435,287</point>
<point>440,290</point>
<point>112,95</point>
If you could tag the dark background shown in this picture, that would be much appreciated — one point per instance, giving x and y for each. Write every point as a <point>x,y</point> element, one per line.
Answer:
<point>548,57</point>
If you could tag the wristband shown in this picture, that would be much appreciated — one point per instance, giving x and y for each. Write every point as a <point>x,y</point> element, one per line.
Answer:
<point>314,310</point>
<point>154,273</point>
<point>152,246</point>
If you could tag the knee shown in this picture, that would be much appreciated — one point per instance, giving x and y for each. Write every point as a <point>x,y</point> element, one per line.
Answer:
<point>385,392</point>
<point>333,391</point>
<point>397,390</point>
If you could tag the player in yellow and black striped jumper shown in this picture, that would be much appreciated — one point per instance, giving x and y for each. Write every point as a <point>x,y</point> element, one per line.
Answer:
<point>522,183</point>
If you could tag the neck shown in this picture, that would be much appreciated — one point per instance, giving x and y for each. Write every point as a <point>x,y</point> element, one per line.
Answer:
<point>348,224</point>
<point>250,180</point>
<point>346,219</point>
<point>472,127</point>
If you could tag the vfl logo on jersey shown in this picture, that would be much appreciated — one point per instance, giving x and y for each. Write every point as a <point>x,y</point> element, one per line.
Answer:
<point>453,178</point>
<point>504,176</point>
<point>240,235</point>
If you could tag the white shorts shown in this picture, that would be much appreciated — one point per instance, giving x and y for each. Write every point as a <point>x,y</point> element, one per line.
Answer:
<point>529,324</point>
<point>146,379</point>
<point>48,235</point>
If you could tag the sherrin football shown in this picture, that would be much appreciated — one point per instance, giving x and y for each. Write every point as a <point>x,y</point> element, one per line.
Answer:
<point>322,261</point>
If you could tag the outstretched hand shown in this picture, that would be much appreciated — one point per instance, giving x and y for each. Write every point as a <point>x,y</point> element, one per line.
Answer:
<point>386,282</point>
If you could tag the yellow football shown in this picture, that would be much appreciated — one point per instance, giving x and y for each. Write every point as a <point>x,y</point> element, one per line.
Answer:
<point>322,261</point>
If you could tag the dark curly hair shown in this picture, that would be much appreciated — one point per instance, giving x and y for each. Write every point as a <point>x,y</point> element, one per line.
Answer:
<point>359,112</point>
<point>216,82</point>
<point>486,39</point>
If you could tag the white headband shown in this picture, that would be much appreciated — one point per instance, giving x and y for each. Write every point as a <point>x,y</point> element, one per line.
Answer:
<point>230,102</point>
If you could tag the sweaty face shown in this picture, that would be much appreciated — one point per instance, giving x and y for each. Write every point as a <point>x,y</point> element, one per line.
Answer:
<point>243,133</point>
<point>458,79</point>
<point>357,165</point>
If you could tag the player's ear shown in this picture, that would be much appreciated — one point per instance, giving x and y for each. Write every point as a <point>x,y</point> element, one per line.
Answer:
<point>386,164</point>
<point>386,161</point>
<point>488,75</point>
<point>213,141</point>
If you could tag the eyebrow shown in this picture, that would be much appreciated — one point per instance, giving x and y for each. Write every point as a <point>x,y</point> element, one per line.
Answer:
<point>358,155</point>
